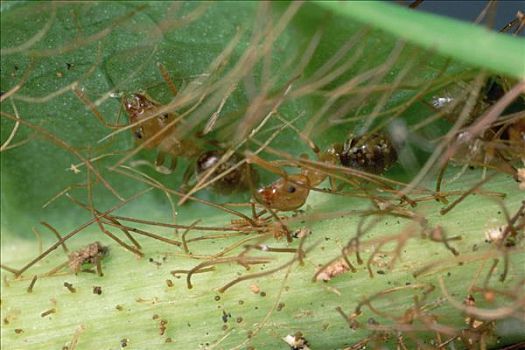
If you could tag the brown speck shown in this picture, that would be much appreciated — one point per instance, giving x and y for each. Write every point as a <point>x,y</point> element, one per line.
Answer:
<point>168,340</point>
<point>263,294</point>
<point>239,319</point>
<point>124,342</point>
<point>70,287</point>
<point>280,306</point>
<point>19,331</point>
<point>336,268</point>
<point>372,321</point>
<point>32,284</point>
<point>225,327</point>
<point>169,283</point>
<point>241,302</point>
<point>119,307</point>
<point>489,296</point>
<point>154,317</point>
<point>217,298</point>
<point>225,316</point>
<point>380,272</point>
<point>97,290</point>
<point>154,262</point>
<point>48,312</point>
<point>162,327</point>
<point>91,254</point>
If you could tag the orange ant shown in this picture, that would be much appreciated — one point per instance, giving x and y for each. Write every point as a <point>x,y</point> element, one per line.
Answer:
<point>373,153</point>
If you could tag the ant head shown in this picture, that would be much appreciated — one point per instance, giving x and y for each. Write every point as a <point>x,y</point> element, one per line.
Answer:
<point>140,108</point>
<point>137,105</point>
<point>285,194</point>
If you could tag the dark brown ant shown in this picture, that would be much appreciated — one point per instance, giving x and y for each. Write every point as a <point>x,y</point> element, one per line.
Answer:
<point>235,179</point>
<point>498,144</point>
<point>157,132</point>
<point>373,153</point>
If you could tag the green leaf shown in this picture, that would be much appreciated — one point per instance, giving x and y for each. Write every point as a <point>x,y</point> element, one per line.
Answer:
<point>107,48</point>
<point>469,43</point>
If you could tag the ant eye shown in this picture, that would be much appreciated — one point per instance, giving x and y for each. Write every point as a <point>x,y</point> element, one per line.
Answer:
<point>291,189</point>
<point>139,133</point>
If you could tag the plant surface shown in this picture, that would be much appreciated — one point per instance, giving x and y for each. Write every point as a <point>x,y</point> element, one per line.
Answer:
<point>275,77</point>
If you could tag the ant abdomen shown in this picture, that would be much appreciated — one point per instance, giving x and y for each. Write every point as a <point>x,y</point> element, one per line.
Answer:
<point>235,180</point>
<point>372,153</point>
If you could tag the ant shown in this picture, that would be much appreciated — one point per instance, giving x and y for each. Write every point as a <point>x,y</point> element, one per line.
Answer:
<point>499,143</point>
<point>234,178</point>
<point>373,153</point>
<point>154,130</point>
<point>157,132</point>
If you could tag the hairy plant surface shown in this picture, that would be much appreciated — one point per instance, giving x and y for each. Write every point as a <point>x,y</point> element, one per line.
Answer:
<point>404,264</point>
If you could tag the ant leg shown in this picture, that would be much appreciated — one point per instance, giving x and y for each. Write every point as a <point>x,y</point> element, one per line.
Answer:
<point>519,20</point>
<point>92,107</point>
<point>253,159</point>
<point>173,164</point>
<point>415,4</point>
<point>188,173</point>
<point>333,184</point>
<point>284,227</point>
<point>439,180</point>
<point>159,163</point>
<point>56,269</point>
<point>98,264</point>
<point>166,76</point>
<point>254,210</point>
<point>161,157</point>
<point>57,234</point>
